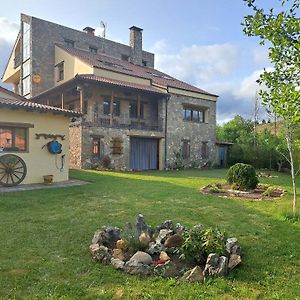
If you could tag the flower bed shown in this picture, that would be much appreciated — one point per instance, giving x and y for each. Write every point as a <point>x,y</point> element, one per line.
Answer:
<point>261,192</point>
<point>167,250</point>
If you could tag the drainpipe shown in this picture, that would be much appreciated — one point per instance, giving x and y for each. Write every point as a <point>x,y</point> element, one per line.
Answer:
<point>166,131</point>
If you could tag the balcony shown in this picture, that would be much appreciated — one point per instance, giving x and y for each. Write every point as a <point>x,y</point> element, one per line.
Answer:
<point>125,123</point>
<point>17,60</point>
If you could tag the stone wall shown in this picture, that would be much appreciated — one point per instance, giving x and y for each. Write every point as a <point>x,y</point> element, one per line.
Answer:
<point>75,133</point>
<point>118,161</point>
<point>44,36</point>
<point>179,130</point>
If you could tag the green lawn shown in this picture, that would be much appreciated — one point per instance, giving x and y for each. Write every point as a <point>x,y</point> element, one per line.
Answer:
<point>45,234</point>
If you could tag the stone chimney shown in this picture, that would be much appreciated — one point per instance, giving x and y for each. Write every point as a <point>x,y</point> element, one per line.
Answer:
<point>89,30</point>
<point>136,44</point>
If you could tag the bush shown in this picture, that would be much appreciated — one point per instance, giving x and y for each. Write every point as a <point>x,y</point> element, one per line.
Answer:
<point>242,176</point>
<point>199,242</point>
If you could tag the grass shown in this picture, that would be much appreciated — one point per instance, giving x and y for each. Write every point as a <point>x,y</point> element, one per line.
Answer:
<point>45,236</point>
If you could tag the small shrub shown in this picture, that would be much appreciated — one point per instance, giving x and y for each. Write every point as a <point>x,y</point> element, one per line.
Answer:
<point>131,238</point>
<point>243,176</point>
<point>213,241</point>
<point>268,192</point>
<point>199,242</point>
<point>192,246</point>
<point>216,188</point>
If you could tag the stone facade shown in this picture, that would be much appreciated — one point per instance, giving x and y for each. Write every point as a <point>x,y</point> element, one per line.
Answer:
<point>44,36</point>
<point>179,130</point>
<point>75,135</point>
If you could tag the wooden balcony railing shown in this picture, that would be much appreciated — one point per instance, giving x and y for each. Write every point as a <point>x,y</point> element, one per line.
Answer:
<point>126,123</point>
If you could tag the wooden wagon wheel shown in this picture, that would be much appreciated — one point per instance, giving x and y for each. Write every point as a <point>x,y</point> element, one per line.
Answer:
<point>12,170</point>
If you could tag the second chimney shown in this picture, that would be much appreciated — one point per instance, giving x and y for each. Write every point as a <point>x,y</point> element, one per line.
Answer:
<point>136,44</point>
<point>89,30</point>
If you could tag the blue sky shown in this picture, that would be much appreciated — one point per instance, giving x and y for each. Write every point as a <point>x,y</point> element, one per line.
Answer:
<point>198,41</point>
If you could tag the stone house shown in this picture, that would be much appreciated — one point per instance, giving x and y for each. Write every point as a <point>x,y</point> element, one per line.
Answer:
<point>138,116</point>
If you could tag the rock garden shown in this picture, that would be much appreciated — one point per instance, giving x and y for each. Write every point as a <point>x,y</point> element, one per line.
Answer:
<point>167,250</point>
<point>242,182</point>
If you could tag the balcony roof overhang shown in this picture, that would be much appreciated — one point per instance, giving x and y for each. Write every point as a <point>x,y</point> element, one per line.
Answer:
<point>80,79</point>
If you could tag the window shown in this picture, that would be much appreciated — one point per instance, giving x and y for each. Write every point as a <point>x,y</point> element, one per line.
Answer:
<point>26,69</point>
<point>144,63</point>
<point>185,150</point>
<point>69,43</point>
<point>93,50</point>
<point>97,149</point>
<point>116,108</point>
<point>106,107</point>
<point>60,71</point>
<point>204,150</point>
<point>116,146</point>
<point>26,41</point>
<point>125,57</point>
<point>26,85</point>
<point>133,110</point>
<point>13,139</point>
<point>194,115</point>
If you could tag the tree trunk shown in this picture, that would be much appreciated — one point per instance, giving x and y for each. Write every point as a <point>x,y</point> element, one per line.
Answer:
<point>288,135</point>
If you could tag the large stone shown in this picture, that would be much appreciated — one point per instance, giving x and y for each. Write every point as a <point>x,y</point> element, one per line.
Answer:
<point>107,236</point>
<point>174,240</point>
<point>142,257</point>
<point>179,228</point>
<point>167,224</point>
<point>163,235</point>
<point>102,254</point>
<point>164,257</point>
<point>121,244</point>
<point>155,248</point>
<point>141,225</point>
<point>216,265</point>
<point>234,260</point>
<point>117,263</point>
<point>168,269</point>
<point>97,239</point>
<point>136,268</point>
<point>94,248</point>
<point>193,275</point>
<point>144,238</point>
<point>232,246</point>
<point>118,253</point>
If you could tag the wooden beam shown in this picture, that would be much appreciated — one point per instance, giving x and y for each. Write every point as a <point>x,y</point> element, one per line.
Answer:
<point>11,124</point>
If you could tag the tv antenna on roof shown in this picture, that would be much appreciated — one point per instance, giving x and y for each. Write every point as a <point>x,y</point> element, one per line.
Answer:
<point>104,26</point>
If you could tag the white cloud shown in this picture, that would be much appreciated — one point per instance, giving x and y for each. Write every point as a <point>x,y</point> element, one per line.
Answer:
<point>261,56</point>
<point>8,30</point>
<point>198,64</point>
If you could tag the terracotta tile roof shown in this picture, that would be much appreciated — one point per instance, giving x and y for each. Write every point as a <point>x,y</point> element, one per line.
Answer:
<point>32,106</point>
<point>142,87</point>
<point>103,61</point>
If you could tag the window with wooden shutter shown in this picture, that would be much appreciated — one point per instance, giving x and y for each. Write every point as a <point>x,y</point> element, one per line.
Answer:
<point>185,150</point>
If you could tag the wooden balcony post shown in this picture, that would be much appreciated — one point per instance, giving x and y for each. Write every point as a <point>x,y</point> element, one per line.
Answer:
<point>80,98</point>
<point>111,107</point>
<point>139,107</point>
